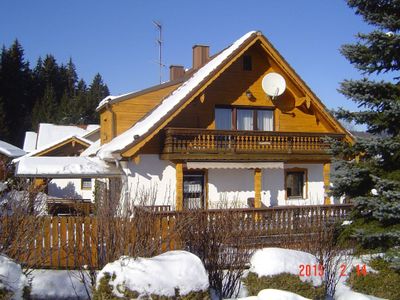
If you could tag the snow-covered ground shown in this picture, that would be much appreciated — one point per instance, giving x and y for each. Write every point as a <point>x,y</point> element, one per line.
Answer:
<point>58,284</point>
<point>162,274</point>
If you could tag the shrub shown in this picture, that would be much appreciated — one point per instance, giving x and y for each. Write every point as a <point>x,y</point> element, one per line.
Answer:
<point>104,292</point>
<point>385,283</point>
<point>284,281</point>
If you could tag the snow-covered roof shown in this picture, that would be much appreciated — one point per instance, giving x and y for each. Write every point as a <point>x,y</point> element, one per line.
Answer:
<point>10,150</point>
<point>110,150</point>
<point>92,149</point>
<point>65,167</point>
<point>52,144</point>
<point>30,141</point>
<point>49,133</point>
<point>111,98</point>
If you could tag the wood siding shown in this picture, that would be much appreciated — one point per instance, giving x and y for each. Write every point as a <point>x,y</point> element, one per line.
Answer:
<point>128,112</point>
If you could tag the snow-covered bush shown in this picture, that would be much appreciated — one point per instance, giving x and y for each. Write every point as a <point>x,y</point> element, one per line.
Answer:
<point>276,268</point>
<point>174,274</point>
<point>13,283</point>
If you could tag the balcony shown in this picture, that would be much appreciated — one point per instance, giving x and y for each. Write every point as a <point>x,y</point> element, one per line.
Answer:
<point>205,144</point>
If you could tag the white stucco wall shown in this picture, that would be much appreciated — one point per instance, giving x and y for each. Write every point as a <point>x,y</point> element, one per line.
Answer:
<point>315,186</point>
<point>69,188</point>
<point>234,186</point>
<point>152,179</point>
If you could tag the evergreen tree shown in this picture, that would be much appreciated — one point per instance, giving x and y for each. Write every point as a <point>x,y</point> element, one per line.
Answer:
<point>98,90</point>
<point>369,173</point>
<point>15,89</point>
<point>3,122</point>
<point>45,110</point>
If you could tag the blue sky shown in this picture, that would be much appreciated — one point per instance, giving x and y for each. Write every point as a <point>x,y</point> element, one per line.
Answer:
<point>118,40</point>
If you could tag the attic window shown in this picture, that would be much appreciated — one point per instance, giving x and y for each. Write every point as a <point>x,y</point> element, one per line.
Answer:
<point>247,64</point>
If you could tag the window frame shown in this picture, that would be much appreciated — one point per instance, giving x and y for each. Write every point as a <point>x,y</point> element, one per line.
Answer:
<point>86,180</point>
<point>255,109</point>
<point>305,185</point>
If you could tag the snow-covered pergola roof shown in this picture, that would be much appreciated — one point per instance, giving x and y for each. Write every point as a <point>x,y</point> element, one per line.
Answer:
<point>10,150</point>
<point>66,167</point>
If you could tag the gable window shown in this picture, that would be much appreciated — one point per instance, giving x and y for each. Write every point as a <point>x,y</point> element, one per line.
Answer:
<point>295,183</point>
<point>234,118</point>
<point>247,64</point>
<point>86,183</point>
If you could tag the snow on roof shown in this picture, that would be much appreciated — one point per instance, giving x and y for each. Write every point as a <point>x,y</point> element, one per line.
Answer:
<point>52,144</point>
<point>161,275</point>
<point>92,149</point>
<point>48,133</point>
<point>30,141</point>
<point>10,150</point>
<point>110,98</point>
<point>65,167</point>
<point>107,151</point>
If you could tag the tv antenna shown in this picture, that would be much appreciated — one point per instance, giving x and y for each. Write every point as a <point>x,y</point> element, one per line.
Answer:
<point>159,43</point>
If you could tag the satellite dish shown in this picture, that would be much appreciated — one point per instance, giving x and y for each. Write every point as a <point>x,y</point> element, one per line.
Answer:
<point>273,84</point>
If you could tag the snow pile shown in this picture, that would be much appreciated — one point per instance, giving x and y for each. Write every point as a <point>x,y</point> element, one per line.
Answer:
<point>160,275</point>
<point>169,103</point>
<point>11,277</point>
<point>19,202</point>
<point>274,261</point>
<point>273,294</point>
<point>59,284</point>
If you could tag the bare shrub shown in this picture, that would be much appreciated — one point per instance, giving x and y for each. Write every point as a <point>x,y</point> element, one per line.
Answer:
<point>21,208</point>
<point>216,238</point>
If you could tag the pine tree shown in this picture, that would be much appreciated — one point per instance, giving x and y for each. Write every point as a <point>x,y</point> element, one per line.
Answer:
<point>46,109</point>
<point>98,90</point>
<point>369,173</point>
<point>3,122</point>
<point>15,88</point>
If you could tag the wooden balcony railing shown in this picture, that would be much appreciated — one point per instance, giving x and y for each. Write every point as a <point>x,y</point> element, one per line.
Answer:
<point>196,141</point>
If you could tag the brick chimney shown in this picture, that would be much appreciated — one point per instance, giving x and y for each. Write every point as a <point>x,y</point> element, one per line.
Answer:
<point>176,72</point>
<point>201,55</point>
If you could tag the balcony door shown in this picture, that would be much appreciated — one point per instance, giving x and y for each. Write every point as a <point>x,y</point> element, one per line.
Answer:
<point>193,190</point>
<point>236,118</point>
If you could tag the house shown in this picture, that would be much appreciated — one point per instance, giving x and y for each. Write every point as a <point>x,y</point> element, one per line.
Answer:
<point>7,153</point>
<point>212,134</point>
<point>51,145</point>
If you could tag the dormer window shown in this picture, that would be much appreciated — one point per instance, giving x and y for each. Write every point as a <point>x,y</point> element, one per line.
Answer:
<point>235,118</point>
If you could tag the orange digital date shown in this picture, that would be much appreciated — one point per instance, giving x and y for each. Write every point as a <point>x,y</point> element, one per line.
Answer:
<point>318,270</point>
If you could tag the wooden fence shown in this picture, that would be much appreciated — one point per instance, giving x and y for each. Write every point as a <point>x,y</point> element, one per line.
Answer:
<point>72,242</point>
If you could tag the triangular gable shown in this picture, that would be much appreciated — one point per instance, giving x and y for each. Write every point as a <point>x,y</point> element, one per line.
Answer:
<point>128,143</point>
<point>51,149</point>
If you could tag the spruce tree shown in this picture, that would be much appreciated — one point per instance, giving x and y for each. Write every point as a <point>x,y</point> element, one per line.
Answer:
<point>368,172</point>
<point>98,90</point>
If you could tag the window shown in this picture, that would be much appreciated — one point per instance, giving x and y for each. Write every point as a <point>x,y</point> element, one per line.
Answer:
<point>295,183</point>
<point>223,118</point>
<point>265,120</point>
<point>244,119</point>
<point>193,190</point>
<point>86,183</point>
<point>247,64</point>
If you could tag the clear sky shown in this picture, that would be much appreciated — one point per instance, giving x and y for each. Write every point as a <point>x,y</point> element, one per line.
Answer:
<point>118,40</point>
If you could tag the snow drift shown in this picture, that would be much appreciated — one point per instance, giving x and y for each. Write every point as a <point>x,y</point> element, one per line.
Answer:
<point>160,275</point>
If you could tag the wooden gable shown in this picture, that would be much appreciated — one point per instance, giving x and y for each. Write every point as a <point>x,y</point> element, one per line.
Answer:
<point>69,147</point>
<point>297,110</point>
